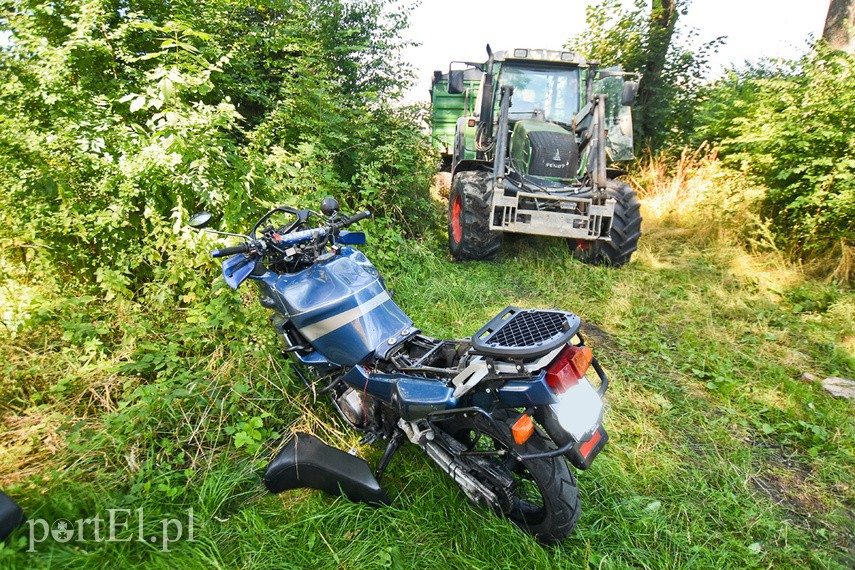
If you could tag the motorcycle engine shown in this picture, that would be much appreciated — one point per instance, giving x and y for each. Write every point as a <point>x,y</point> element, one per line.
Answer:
<point>356,408</point>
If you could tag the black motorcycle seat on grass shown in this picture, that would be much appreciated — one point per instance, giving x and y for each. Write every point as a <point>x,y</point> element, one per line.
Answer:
<point>306,461</point>
<point>11,516</point>
<point>519,333</point>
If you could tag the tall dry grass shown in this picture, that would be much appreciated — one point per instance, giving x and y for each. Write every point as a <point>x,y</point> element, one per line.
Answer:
<point>696,194</point>
<point>674,190</point>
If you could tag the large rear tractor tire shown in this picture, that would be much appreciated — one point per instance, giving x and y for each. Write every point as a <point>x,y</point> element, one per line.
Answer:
<point>625,231</point>
<point>469,200</point>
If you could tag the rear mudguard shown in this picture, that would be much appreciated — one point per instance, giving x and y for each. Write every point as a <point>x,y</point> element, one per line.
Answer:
<point>583,453</point>
<point>11,516</point>
<point>306,461</point>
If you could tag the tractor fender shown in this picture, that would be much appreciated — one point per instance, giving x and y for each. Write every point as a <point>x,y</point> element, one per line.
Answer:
<point>466,165</point>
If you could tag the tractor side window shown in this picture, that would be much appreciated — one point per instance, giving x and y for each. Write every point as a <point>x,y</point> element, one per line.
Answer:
<point>477,110</point>
<point>618,117</point>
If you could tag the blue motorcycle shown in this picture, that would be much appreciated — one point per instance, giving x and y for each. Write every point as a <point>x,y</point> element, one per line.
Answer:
<point>500,412</point>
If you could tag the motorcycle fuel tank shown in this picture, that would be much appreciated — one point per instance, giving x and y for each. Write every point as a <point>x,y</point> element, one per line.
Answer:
<point>340,306</point>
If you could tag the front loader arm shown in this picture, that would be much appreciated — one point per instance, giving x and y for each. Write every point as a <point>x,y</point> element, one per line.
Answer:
<point>590,124</point>
<point>502,136</point>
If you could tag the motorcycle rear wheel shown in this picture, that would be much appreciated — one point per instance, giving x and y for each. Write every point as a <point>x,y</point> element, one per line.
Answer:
<point>544,499</point>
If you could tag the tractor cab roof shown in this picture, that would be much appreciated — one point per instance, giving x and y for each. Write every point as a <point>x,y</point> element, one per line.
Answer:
<point>541,55</point>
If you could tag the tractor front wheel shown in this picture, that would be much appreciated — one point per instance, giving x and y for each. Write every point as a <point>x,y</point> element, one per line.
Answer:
<point>625,231</point>
<point>469,205</point>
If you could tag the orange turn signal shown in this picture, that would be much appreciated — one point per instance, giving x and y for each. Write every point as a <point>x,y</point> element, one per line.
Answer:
<point>522,429</point>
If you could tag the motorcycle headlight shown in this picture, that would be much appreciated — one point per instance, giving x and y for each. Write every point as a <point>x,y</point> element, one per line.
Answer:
<point>579,409</point>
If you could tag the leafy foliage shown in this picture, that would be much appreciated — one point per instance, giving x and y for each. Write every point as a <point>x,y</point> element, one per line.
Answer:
<point>790,126</point>
<point>787,125</point>
<point>627,36</point>
<point>120,119</point>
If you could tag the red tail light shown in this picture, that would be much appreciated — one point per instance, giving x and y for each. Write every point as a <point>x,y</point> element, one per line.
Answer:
<point>570,365</point>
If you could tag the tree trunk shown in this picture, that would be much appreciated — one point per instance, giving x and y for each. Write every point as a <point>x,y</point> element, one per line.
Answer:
<point>839,23</point>
<point>650,117</point>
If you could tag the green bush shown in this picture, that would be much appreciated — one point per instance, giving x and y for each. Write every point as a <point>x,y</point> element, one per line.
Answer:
<point>618,34</point>
<point>117,120</point>
<point>790,126</point>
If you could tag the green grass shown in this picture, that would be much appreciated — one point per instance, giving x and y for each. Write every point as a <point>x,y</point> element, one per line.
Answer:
<point>720,457</point>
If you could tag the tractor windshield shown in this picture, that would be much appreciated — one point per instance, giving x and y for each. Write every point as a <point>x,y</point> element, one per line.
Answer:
<point>543,93</point>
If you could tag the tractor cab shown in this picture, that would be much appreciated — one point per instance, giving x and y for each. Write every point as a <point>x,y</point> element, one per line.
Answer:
<point>548,86</point>
<point>541,92</point>
<point>531,156</point>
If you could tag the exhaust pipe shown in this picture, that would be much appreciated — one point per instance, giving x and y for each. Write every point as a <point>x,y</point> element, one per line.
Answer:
<point>476,491</point>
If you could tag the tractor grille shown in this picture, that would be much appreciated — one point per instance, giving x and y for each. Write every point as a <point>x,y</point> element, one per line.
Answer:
<point>525,334</point>
<point>553,154</point>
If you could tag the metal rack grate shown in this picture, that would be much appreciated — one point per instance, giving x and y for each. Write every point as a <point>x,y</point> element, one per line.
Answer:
<point>529,328</point>
<point>525,333</point>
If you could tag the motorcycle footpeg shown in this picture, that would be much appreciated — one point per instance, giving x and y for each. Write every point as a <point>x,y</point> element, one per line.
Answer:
<point>306,461</point>
<point>11,516</point>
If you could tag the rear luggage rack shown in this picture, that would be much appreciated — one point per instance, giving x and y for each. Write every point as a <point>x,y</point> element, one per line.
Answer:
<point>518,333</point>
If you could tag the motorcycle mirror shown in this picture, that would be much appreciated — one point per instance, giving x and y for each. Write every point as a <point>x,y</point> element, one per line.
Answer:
<point>329,206</point>
<point>200,220</point>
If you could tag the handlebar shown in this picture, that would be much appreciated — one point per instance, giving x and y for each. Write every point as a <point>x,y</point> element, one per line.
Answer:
<point>357,217</point>
<point>233,250</point>
<point>296,237</point>
<point>305,235</point>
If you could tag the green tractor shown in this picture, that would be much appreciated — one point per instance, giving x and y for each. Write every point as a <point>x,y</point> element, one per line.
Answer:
<point>532,158</point>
